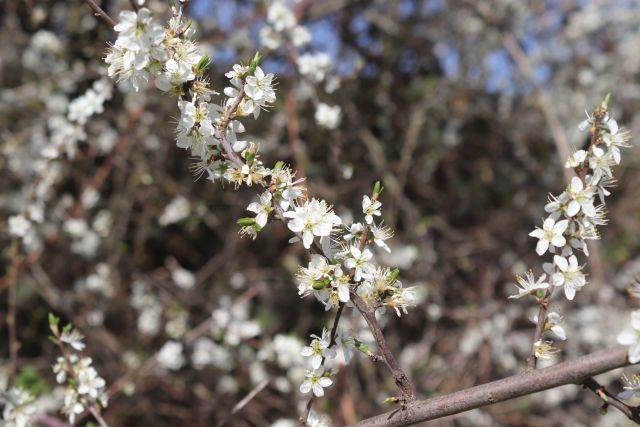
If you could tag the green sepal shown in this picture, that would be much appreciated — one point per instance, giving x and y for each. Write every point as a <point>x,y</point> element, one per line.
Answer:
<point>255,61</point>
<point>321,284</point>
<point>377,188</point>
<point>246,222</point>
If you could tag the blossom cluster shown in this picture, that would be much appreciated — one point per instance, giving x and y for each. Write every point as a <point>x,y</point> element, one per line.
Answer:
<point>67,129</point>
<point>19,407</point>
<point>343,263</point>
<point>282,28</point>
<point>85,389</point>
<point>574,217</point>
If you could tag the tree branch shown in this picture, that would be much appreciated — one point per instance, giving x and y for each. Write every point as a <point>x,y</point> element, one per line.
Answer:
<point>542,320</point>
<point>576,371</point>
<point>633,413</point>
<point>400,377</point>
<point>97,11</point>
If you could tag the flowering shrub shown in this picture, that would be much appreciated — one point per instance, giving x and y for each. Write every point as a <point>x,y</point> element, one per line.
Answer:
<point>191,326</point>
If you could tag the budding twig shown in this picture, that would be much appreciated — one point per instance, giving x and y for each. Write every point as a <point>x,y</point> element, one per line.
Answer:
<point>608,399</point>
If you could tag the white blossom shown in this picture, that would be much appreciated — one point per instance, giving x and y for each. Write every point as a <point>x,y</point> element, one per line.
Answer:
<point>380,234</point>
<point>262,208</point>
<point>528,285</point>
<point>319,349</point>
<point>581,198</point>
<point>73,338</point>
<point>313,218</point>
<point>19,226</point>
<point>315,381</point>
<point>19,408</point>
<point>358,260</point>
<point>328,116</point>
<point>631,387</point>
<point>550,234</point>
<point>631,337</point>
<point>569,275</point>
<point>370,207</point>
<point>170,355</point>
<point>314,65</point>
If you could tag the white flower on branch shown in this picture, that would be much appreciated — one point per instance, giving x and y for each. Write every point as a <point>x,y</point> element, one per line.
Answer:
<point>528,285</point>
<point>131,55</point>
<point>19,226</point>
<point>616,139</point>
<point>170,356</point>
<point>19,408</point>
<point>570,275</point>
<point>576,159</point>
<point>581,198</point>
<point>631,387</point>
<point>74,338</point>
<point>319,272</point>
<point>370,207</point>
<point>313,218</point>
<point>553,324</point>
<point>315,381</point>
<point>314,65</point>
<point>550,234</point>
<point>380,234</point>
<point>328,116</point>
<point>262,208</point>
<point>631,337</point>
<point>601,162</point>
<point>544,349</point>
<point>319,349</point>
<point>280,16</point>
<point>359,261</point>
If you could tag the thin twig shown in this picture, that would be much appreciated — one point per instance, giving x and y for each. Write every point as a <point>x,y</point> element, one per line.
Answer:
<point>399,376</point>
<point>242,403</point>
<point>98,12</point>
<point>542,320</point>
<point>332,342</point>
<point>11,280</point>
<point>633,413</point>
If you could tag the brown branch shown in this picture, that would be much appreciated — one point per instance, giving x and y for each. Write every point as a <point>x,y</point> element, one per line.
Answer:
<point>633,413</point>
<point>399,376</point>
<point>542,320</point>
<point>242,403</point>
<point>571,372</point>
<point>98,12</point>
<point>12,279</point>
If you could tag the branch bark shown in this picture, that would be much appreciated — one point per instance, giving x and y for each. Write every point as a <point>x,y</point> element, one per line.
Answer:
<point>98,12</point>
<point>571,372</point>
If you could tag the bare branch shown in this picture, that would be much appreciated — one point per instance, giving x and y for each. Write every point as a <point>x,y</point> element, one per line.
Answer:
<point>100,13</point>
<point>241,404</point>
<point>571,372</point>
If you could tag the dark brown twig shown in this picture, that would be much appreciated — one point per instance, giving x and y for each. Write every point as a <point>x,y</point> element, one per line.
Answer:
<point>571,372</point>
<point>98,12</point>
<point>542,320</point>
<point>608,399</point>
